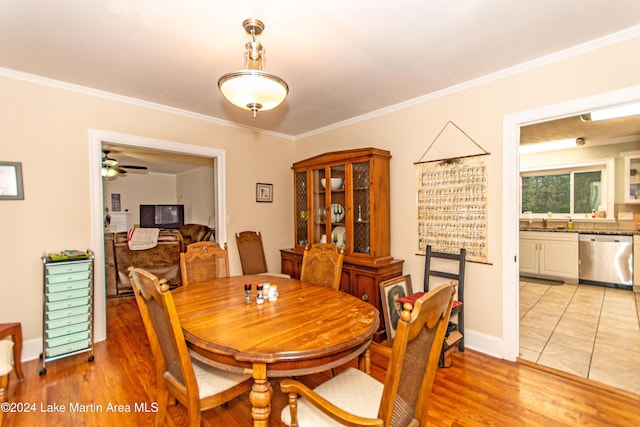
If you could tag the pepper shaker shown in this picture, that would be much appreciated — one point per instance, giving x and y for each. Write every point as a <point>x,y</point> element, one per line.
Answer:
<point>247,293</point>
<point>260,295</point>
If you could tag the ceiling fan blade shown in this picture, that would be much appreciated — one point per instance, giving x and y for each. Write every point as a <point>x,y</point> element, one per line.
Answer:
<point>134,167</point>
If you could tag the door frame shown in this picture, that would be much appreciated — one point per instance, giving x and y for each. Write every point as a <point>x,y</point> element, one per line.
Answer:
<point>510,214</point>
<point>96,138</point>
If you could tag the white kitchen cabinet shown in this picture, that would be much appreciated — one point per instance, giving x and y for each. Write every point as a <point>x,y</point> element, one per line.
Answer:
<point>549,254</point>
<point>636,263</point>
<point>632,177</point>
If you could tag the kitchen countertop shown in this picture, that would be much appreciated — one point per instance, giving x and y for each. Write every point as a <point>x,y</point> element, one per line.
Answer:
<point>567,230</point>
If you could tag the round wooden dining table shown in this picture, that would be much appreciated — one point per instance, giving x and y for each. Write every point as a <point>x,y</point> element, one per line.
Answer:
<point>308,329</point>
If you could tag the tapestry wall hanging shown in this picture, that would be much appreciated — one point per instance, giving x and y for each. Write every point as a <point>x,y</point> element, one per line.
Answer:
<point>452,204</point>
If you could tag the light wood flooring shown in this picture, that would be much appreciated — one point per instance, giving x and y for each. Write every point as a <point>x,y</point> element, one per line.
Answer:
<point>477,390</point>
<point>589,331</point>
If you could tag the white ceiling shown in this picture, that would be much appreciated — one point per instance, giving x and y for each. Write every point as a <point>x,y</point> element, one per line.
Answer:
<point>341,59</point>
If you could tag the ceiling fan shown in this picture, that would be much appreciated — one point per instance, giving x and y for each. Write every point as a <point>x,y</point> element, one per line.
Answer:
<point>111,167</point>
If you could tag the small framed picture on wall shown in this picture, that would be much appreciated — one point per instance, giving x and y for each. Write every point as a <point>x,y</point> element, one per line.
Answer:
<point>11,181</point>
<point>264,192</point>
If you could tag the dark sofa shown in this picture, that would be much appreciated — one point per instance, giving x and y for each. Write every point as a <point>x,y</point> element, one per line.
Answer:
<point>163,260</point>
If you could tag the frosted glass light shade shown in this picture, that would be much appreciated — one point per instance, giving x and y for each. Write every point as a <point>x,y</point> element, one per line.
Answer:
<point>253,90</point>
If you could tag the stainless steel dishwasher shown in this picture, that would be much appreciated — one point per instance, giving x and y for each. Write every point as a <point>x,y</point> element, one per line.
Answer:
<point>606,260</point>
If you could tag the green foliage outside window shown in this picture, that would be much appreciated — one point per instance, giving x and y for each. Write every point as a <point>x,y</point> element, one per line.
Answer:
<point>552,193</point>
<point>587,191</point>
<point>546,193</point>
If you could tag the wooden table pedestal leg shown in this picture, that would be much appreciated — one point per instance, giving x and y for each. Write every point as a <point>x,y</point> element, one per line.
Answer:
<point>260,396</point>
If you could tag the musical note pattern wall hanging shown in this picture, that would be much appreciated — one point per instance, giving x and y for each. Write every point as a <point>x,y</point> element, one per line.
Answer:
<point>452,205</point>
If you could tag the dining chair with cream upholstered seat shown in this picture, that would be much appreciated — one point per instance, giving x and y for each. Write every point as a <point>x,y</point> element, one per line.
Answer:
<point>6,354</point>
<point>251,253</point>
<point>194,384</point>
<point>355,398</point>
<point>204,261</point>
<point>322,265</point>
<point>10,355</point>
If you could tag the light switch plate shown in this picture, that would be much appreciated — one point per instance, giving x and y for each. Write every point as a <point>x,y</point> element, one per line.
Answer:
<point>625,215</point>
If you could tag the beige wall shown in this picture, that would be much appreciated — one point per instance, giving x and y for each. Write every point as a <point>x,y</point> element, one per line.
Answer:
<point>46,128</point>
<point>55,213</point>
<point>141,189</point>
<point>479,111</point>
<point>195,189</point>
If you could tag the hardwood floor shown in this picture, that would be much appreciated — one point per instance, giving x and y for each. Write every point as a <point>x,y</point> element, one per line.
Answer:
<point>477,390</point>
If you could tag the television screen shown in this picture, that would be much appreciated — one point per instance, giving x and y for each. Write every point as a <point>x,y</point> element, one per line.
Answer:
<point>162,216</point>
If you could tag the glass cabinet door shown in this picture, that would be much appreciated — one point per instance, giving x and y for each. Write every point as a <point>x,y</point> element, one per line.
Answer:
<point>337,207</point>
<point>302,209</point>
<point>319,206</point>
<point>361,206</point>
<point>329,205</point>
<point>632,178</point>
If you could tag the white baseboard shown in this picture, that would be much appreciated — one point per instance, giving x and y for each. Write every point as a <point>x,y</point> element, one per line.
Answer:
<point>31,349</point>
<point>487,344</point>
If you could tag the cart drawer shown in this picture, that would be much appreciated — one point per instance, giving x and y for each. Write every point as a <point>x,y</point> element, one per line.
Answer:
<point>68,348</point>
<point>68,286</point>
<point>82,307</point>
<point>54,307</point>
<point>67,268</point>
<point>65,322</point>
<point>68,277</point>
<point>67,330</point>
<point>67,339</point>
<point>61,296</point>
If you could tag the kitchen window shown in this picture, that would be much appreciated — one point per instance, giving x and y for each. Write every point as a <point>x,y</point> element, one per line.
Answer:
<point>572,190</point>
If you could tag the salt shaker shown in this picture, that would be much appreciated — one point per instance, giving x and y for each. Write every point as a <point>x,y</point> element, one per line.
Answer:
<point>247,293</point>
<point>260,295</point>
<point>273,293</point>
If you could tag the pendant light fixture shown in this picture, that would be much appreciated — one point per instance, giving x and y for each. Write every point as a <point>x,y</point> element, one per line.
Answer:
<point>253,89</point>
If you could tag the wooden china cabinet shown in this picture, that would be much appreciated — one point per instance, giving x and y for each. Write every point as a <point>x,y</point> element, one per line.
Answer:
<point>343,198</point>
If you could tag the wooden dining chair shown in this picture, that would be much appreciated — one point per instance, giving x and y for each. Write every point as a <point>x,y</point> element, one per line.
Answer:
<point>194,384</point>
<point>251,253</point>
<point>6,350</point>
<point>204,261</point>
<point>355,398</point>
<point>322,265</point>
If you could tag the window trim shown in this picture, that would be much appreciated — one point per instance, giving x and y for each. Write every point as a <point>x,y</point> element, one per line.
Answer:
<point>606,165</point>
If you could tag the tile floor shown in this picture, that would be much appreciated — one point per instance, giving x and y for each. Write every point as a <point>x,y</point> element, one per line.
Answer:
<point>589,331</point>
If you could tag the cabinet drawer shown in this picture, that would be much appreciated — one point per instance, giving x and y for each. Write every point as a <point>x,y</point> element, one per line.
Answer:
<point>68,348</point>
<point>68,286</point>
<point>64,322</point>
<point>82,303</point>
<point>61,296</point>
<point>68,339</point>
<point>68,268</point>
<point>68,277</point>
<point>68,330</point>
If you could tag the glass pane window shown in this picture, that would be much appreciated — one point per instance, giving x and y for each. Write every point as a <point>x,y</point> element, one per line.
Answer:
<point>566,191</point>
<point>587,192</point>
<point>546,193</point>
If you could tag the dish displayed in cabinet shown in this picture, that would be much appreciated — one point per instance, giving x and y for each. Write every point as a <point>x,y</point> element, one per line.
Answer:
<point>337,213</point>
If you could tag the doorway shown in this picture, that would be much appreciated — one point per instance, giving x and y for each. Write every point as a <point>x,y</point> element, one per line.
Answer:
<point>96,138</point>
<point>510,210</point>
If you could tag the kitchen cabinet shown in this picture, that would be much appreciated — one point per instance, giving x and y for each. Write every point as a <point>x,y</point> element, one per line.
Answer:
<point>632,177</point>
<point>343,198</point>
<point>636,263</point>
<point>549,254</point>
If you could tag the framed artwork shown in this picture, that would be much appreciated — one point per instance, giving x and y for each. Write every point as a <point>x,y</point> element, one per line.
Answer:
<point>264,192</point>
<point>390,291</point>
<point>11,181</point>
